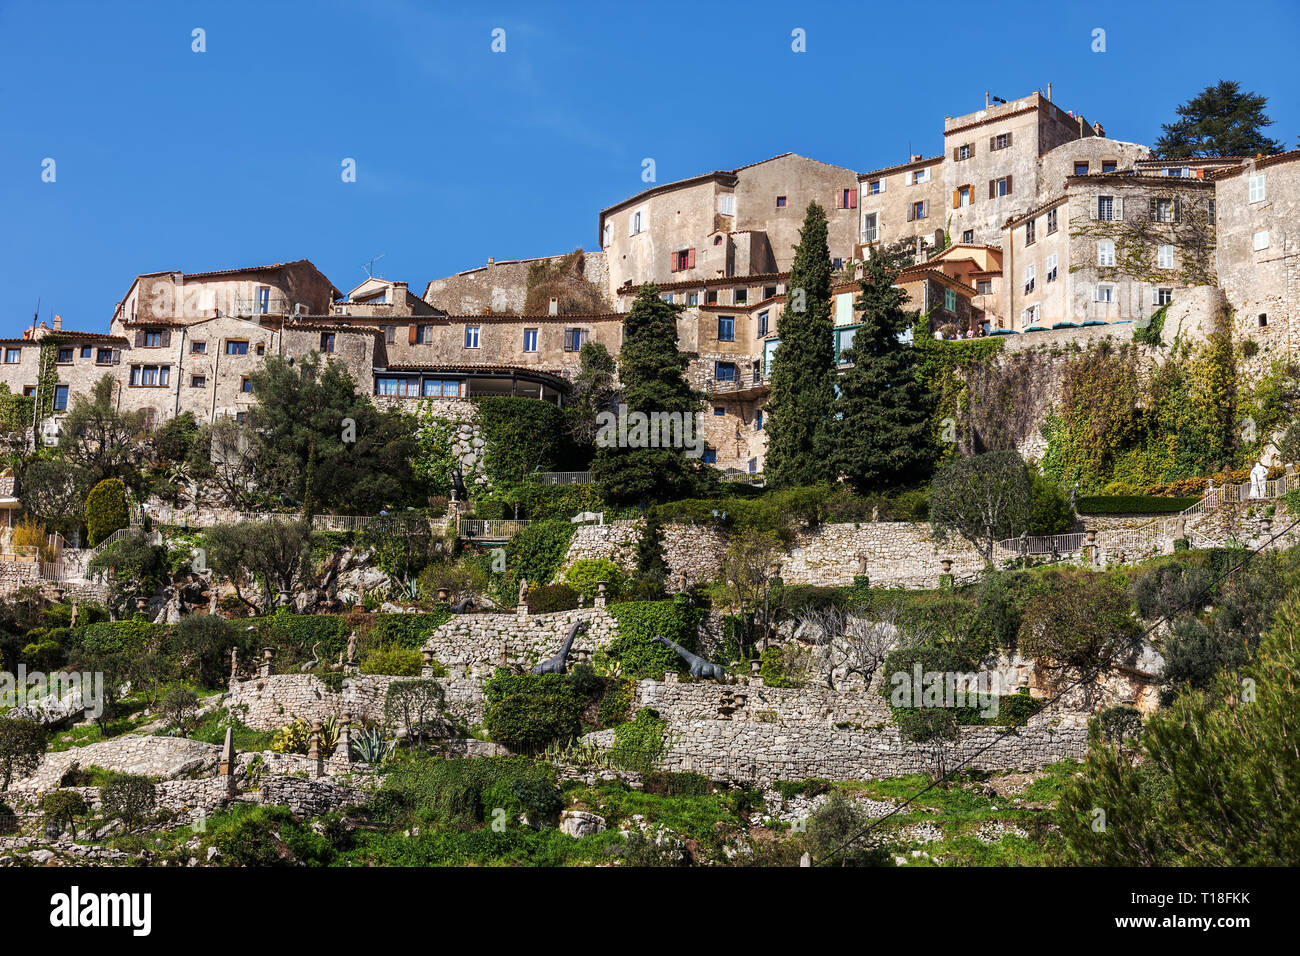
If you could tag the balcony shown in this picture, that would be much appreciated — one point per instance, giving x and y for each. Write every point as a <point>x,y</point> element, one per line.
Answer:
<point>273,304</point>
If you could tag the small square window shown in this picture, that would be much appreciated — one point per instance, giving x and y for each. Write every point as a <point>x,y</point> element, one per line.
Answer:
<point>726,328</point>
<point>780,202</point>
<point>1164,296</point>
<point>65,356</point>
<point>198,381</point>
<point>471,336</point>
<point>530,340</point>
<point>1261,241</point>
<point>719,410</point>
<point>85,351</point>
<point>710,456</point>
<point>1081,168</point>
<point>968,237</point>
<point>245,385</point>
<point>198,347</point>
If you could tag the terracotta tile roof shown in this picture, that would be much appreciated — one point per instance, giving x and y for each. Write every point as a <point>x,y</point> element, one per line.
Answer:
<point>553,377</point>
<point>757,278</point>
<point>325,327</point>
<point>513,317</point>
<point>990,119</point>
<point>898,168</point>
<point>1036,211</point>
<point>1143,179</point>
<point>1289,156</point>
<point>924,270</point>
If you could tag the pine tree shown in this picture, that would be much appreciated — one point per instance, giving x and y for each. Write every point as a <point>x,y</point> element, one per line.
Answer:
<point>653,374</point>
<point>883,410</point>
<point>1220,121</point>
<point>799,442</point>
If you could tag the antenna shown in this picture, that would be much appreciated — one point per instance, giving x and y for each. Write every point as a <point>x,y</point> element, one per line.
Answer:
<point>370,266</point>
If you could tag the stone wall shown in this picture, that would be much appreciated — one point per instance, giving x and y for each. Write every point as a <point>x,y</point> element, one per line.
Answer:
<point>680,702</point>
<point>168,758</point>
<point>471,644</point>
<point>18,574</point>
<point>268,703</point>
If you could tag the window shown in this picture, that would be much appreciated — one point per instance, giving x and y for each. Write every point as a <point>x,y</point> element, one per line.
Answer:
<point>573,339</point>
<point>198,381</point>
<point>683,259</point>
<point>471,336</point>
<point>769,292</point>
<point>153,340</point>
<point>438,388</point>
<point>1164,256</point>
<point>1000,141</point>
<point>103,356</point>
<point>1261,241</point>
<point>1105,252</point>
<point>984,286</point>
<point>150,376</point>
<point>950,300</point>
<point>762,323</point>
<point>241,416</point>
<point>869,233</point>
<point>837,263</point>
<point>780,202</point>
<point>1109,165</point>
<point>1105,208</point>
<point>236,346</point>
<point>719,410</point>
<point>740,297</point>
<point>1029,316</point>
<point>711,297</point>
<point>961,197</point>
<point>1030,235</point>
<point>710,456</point>
<point>1263,320</point>
<point>422,334</point>
<point>876,186</point>
<point>999,187</point>
<point>60,398</point>
<point>1164,210</point>
<point>724,371</point>
<point>920,176</point>
<point>390,334</point>
<point>726,328</point>
<point>692,298</point>
<point>245,385</point>
<point>1257,191</point>
<point>198,347</point>
<point>327,342</point>
<point>758,420</point>
<point>727,204</point>
<point>264,300</point>
<point>1031,273</point>
<point>65,356</point>
<point>964,152</point>
<point>666,297</point>
<point>1164,296</point>
<point>968,237</point>
<point>261,348</point>
<point>85,351</point>
<point>13,356</point>
<point>1210,211</point>
<point>636,222</point>
<point>1104,293</point>
<point>1081,167</point>
<point>917,210</point>
<point>530,340</point>
<point>1049,268</point>
<point>1051,221</point>
<point>846,199</point>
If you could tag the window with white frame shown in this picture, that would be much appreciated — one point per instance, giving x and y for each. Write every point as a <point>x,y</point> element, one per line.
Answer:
<point>1105,252</point>
<point>869,233</point>
<point>1257,191</point>
<point>727,204</point>
<point>1051,221</point>
<point>920,176</point>
<point>1031,273</point>
<point>636,222</point>
<point>1164,296</point>
<point>1049,268</point>
<point>1261,240</point>
<point>950,300</point>
<point>1164,256</point>
<point>1104,292</point>
<point>1029,316</point>
<point>1105,208</point>
<point>530,340</point>
<point>471,336</point>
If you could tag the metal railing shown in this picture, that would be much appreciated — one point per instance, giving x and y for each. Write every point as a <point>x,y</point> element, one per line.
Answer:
<point>1043,544</point>
<point>563,477</point>
<point>271,305</point>
<point>491,529</point>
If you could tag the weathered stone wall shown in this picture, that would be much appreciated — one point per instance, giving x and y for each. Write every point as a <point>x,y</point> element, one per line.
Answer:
<point>268,703</point>
<point>478,643</point>
<point>18,574</point>
<point>680,702</point>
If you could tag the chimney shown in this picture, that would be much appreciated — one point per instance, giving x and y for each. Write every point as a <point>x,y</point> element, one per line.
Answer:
<point>58,322</point>
<point>491,260</point>
<point>1049,91</point>
<point>986,99</point>
<point>554,307</point>
<point>1098,129</point>
<point>916,158</point>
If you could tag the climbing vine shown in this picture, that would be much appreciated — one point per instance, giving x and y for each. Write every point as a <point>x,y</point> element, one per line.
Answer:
<point>1137,239</point>
<point>47,377</point>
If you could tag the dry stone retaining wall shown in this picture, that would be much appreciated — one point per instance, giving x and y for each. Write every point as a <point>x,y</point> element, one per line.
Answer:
<point>268,703</point>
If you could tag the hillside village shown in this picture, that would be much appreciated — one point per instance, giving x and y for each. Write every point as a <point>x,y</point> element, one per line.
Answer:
<point>995,488</point>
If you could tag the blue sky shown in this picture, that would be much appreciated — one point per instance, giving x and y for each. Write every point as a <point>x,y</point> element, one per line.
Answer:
<point>171,159</point>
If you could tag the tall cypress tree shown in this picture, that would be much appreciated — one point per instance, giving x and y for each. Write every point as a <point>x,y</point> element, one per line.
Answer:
<point>652,372</point>
<point>883,409</point>
<point>799,442</point>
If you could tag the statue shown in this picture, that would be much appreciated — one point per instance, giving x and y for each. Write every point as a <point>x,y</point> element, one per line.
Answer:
<point>1258,475</point>
<point>457,484</point>
<point>699,667</point>
<point>556,664</point>
<point>234,662</point>
<point>463,604</point>
<point>73,622</point>
<point>315,659</point>
<point>352,648</point>
<point>523,590</point>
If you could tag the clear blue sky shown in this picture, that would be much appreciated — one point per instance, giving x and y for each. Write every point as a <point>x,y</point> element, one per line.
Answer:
<point>170,159</point>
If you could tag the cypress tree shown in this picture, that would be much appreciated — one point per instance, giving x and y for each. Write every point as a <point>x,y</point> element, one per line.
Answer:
<point>883,409</point>
<point>799,441</point>
<point>652,372</point>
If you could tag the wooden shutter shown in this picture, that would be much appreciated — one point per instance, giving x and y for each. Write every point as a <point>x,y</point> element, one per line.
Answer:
<point>672,261</point>
<point>853,198</point>
<point>925,208</point>
<point>993,187</point>
<point>166,339</point>
<point>993,143</point>
<point>1092,207</point>
<point>838,203</point>
<point>117,356</point>
<point>954,198</point>
<point>410,334</point>
<point>1153,211</point>
<point>139,339</point>
<point>1117,206</point>
<point>690,258</point>
<point>1008,146</point>
<point>1178,209</point>
<point>911,210</point>
<point>1008,184</point>
<point>954,154</point>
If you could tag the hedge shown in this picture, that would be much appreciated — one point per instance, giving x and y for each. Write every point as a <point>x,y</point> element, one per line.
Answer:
<point>294,635</point>
<point>526,712</point>
<point>638,622</point>
<point>407,630</point>
<point>1131,505</point>
<point>106,510</point>
<point>118,637</point>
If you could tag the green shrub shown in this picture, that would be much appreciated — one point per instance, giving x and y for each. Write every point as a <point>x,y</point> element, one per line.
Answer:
<point>466,792</point>
<point>63,807</point>
<point>584,574</point>
<point>527,712</point>
<point>549,598</point>
<point>633,647</point>
<point>119,637</point>
<point>538,549</point>
<point>106,510</point>
<point>639,744</point>
<point>295,635</point>
<point>408,630</point>
<point>1131,504</point>
<point>127,797</point>
<point>392,659</point>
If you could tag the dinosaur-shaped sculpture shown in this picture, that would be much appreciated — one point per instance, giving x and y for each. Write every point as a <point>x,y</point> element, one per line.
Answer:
<point>698,665</point>
<point>556,664</point>
<point>460,606</point>
<point>315,659</point>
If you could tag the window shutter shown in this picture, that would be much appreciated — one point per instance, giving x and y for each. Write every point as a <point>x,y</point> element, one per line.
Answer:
<point>690,258</point>
<point>925,208</point>
<point>853,199</point>
<point>1155,296</point>
<point>838,200</point>
<point>954,153</point>
<point>993,188</point>
<point>1008,180</point>
<point>117,356</point>
<point>882,183</point>
<point>1153,212</point>
<point>911,211</point>
<point>1008,141</point>
<point>672,262</point>
<point>1178,209</point>
<point>954,198</point>
<point>1092,207</point>
<point>139,339</point>
<point>166,339</point>
<point>410,331</point>
<point>993,143</point>
<point>1119,208</point>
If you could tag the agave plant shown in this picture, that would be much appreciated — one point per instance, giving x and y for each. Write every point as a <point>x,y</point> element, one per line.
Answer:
<point>371,746</point>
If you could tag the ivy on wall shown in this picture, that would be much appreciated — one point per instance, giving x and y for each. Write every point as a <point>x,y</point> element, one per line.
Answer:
<point>1137,239</point>
<point>47,377</point>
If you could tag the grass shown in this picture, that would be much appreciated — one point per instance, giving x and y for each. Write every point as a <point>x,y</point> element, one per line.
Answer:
<point>212,730</point>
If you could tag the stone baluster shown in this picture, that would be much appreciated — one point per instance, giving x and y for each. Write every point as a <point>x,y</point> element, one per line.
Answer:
<point>426,670</point>
<point>266,670</point>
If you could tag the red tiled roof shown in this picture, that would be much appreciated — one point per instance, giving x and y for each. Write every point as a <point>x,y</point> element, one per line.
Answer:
<point>1262,163</point>
<point>885,171</point>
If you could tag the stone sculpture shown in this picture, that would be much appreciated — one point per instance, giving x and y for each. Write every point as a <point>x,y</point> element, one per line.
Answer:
<point>315,659</point>
<point>234,662</point>
<point>352,648</point>
<point>464,603</point>
<point>556,664</point>
<point>699,667</point>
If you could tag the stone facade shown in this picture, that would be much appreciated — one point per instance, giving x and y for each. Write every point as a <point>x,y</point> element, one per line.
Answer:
<point>269,703</point>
